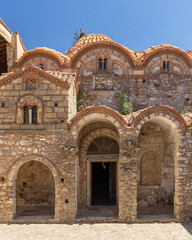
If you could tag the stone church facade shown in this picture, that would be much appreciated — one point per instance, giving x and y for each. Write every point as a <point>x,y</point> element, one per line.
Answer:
<point>61,165</point>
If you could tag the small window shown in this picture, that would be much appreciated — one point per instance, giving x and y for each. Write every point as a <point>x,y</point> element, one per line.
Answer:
<point>26,115</point>
<point>165,66</point>
<point>41,66</point>
<point>34,114</point>
<point>105,64</point>
<point>102,64</point>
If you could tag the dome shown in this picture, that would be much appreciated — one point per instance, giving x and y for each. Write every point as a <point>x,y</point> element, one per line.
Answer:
<point>92,38</point>
<point>86,40</point>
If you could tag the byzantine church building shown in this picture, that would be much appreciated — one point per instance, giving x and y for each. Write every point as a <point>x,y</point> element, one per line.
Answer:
<point>67,151</point>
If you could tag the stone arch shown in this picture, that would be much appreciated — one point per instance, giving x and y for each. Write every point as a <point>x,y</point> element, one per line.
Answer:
<point>88,63</point>
<point>163,49</point>
<point>12,172</point>
<point>14,169</point>
<point>163,112</point>
<point>95,113</point>
<point>172,127</point>
<point>155,65</point>
<point>56,57</point>
<point>110,45</point>
<point>97,133</point>
<point>83,163</point>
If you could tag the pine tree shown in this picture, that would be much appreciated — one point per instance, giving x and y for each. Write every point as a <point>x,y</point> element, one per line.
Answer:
<point>78,35</point>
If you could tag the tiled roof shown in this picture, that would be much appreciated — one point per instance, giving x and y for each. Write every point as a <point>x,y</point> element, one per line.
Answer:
<point>58,54</point>
<point>67,77</point>
<point>143,54</point>
<point>87,40</point>
<point>62,77</point>
<point>92,38</point>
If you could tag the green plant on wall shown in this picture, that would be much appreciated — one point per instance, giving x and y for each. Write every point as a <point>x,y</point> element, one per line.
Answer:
<point>126,106</point>
<point>80,103</point>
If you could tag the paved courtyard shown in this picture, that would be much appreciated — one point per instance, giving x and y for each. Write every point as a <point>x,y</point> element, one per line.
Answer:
<point>110,231</point>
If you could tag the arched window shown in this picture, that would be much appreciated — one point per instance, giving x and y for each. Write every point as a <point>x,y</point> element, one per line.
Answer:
<point>30,115</point>
<point>102,64</point>
<point>34,114</point>
<point>26,114</point>
<point>29,110</point>
<point>165,66</point>
<point>105,64</point>
<point>103,145</point>
<point>41,66</point>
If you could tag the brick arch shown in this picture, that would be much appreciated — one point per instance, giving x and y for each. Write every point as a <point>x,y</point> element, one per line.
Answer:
<point>94,62</point>
<point>159,111</point>
<point>47,53</point>
<point>167,50</point>
<point>110,45</point>
<point>97,133</point>
<point>13,170</point>
<point>98,112</point>
<point>82,170</point>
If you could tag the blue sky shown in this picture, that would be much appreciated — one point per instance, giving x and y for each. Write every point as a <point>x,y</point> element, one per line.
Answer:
<point>136,24</point>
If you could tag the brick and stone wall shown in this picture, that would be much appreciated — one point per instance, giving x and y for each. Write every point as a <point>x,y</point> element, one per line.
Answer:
<point>55,146</point>
<point>55,150</point>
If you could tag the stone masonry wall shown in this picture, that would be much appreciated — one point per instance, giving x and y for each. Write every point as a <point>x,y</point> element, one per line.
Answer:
<point>35,186</point>
<point>155,167</point>
<point>54,149</point>
<point>143,91</point>
<point>54,100</point>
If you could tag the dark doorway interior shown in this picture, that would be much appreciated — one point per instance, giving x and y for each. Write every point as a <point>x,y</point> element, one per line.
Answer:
<point>103,183</point>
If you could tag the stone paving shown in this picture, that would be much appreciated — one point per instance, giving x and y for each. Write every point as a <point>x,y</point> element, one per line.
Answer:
<point>109,231</point>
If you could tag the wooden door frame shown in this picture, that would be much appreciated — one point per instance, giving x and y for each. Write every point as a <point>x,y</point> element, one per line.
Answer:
<point>101,158</point>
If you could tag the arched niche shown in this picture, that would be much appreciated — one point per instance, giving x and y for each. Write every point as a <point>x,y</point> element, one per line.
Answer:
<point>34,190</point>
<point>156,167</point>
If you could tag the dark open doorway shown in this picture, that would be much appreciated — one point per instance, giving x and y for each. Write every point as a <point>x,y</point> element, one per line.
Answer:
<point>103,183</point>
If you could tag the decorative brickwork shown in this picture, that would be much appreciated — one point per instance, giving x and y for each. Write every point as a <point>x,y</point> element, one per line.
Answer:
<point>45,166</point>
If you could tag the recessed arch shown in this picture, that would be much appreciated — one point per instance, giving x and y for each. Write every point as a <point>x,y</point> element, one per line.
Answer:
<point>91,159</point>
<point>110,45</point>
<point>53,55</point>
<point>34,190</point>
<point>158,141</point>
<point>30,101</point>
<point>161,49</point>
<point>96,113</point>
<point>12,174</point>
<point>159,111</point>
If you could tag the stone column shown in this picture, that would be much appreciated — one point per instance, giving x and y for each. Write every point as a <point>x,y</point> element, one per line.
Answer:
<point>30,115</point>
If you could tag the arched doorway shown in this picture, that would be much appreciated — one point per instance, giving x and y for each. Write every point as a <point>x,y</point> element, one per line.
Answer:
<point>97,182</point>
<point>156,178</point>
<point>35,190</point>
<point>102,158</point>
